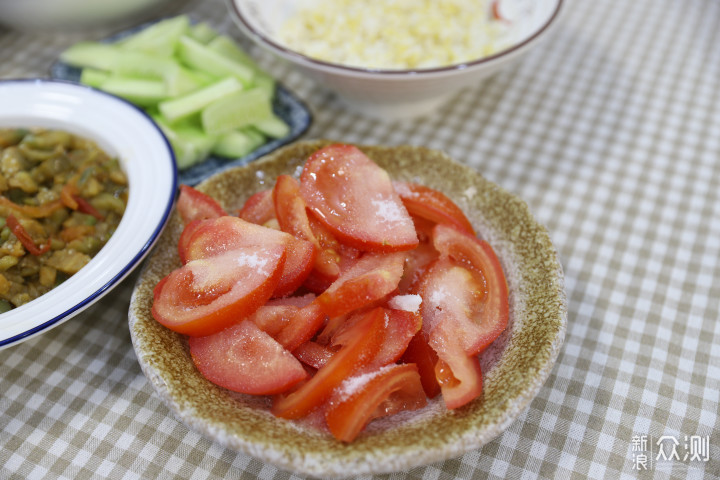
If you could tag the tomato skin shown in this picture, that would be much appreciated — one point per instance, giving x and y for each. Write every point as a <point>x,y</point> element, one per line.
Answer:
<point>258,208</point>
<point>291,213</point>
<point>302,326</point>
<point>348,192</point>
<point>244,359</point>
<point>432,205</point>
<point>424,357</point>
<point>458,374</point>
<point>478,255</point>
<point>195,205</point>
<point>313,354</point>
<point>367,337</point>
<point>187,233</point>
<point>207,295</point>
<point>373,277</point>
<point>217,235</point>
<point>380,392</point>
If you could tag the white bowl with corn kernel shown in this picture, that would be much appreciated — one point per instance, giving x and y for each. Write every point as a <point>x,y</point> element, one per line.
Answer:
<point>402,58</point>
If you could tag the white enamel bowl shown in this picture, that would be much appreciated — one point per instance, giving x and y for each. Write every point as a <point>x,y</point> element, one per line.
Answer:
<point>396,93</point>
<point>123,131</point>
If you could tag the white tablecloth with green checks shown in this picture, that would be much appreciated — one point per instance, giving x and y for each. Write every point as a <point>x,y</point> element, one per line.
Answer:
<point>611,133</point>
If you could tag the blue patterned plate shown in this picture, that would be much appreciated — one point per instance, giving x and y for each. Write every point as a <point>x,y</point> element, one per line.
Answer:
<point>286,106</point>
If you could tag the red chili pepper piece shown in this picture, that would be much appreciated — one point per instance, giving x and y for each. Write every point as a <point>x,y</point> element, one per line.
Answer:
<point>19,231</point>
<point>85,207</point>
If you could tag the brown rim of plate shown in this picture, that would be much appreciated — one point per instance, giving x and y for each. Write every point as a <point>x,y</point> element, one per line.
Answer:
<point>515,366</point>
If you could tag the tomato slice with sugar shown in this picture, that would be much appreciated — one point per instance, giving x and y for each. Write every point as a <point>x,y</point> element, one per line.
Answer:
<point>244,359</point>
<point>207,295</point>
<point>354,198</point>
<point>378,393</point>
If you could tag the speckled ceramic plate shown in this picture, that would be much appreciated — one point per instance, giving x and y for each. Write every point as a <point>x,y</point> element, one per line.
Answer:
<point>515,366</point>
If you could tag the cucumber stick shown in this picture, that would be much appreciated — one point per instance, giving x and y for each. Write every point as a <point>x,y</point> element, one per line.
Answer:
<point>195,101</point>
<point>237,143</point>
<point>273,127</point>
<point>237,110</point>
<point>159,39</point>
<point>203,58</point>
<point>143,92</point>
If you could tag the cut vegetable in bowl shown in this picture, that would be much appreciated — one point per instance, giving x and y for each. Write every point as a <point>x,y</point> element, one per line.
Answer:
<point>206,94</point>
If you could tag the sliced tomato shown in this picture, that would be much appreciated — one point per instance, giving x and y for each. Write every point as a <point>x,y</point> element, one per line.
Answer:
<point>291,213</point>
<point>187,233</point>
<point>453,294</point>
<point>277,313</point>
<point>490,314</point>
<point>195,205</point>
<point>302,326</point>
<point>244,359</point>
<point>416,263</point>
<point>458,374</point>
<point>217,235</point>
<point>381,392</point>
<point>353,356</point>
<point>313,354</point>
<point>258,208</point>
<point>432,205</point>
<point>374,276</point>
<point>400,328</point>
<point>422,355</point>
<point>207,295</point>
<point>354,198</point>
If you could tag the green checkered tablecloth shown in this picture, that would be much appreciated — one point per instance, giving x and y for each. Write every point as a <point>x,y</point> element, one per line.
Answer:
<point>611,133</point>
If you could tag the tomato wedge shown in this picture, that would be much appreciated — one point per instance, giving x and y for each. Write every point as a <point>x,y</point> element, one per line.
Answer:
<point>258,209</point>
<point>207,295</point>
<point>291,213</point>
<point>381,392</point>
<point>367,335</point>
<point>458,374</point>
<point>244,359</point>
<point>424,357</point>
<point>432,205</point>
<point>492,312</point>
<point>354,198</point>
<point>195,205</point>
<point>217,235</point>
<point>374,276</point>
<point>313,354</point>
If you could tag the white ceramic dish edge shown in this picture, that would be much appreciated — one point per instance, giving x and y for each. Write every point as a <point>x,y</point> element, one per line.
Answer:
<point>123,131</point>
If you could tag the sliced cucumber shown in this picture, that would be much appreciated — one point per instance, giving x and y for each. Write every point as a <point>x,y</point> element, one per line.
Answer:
<point>203,58</point>
<point>144,65</point>
<point>142,92</point>
<point>235,111</point>
<point>202,32</point>
<point>160,38</point>
<point>237,143</point>
<point>203,90</point>
<point>190,143</point>
<point>224,45</point>
<point>100,56</point>
<point>273,127</point>
<point>93,77</point>
<point>194,102</point>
